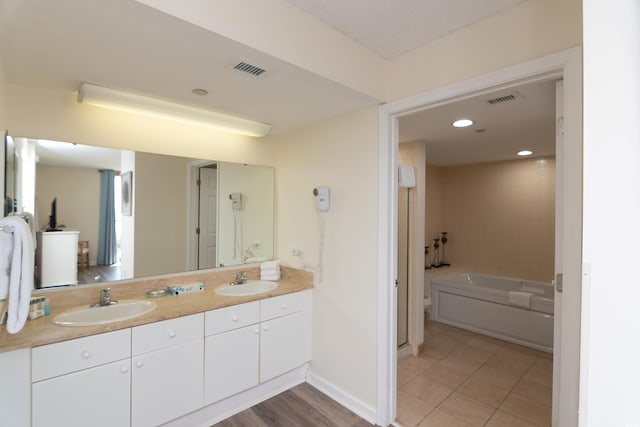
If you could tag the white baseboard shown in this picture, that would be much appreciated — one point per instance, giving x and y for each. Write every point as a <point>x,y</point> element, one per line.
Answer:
<point>345,399</point>
<point>216,412</point>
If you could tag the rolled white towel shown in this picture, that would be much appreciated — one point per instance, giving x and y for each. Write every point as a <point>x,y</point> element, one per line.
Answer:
<point>270,276</point>
<point>21,275</point>
<point>270,265</point>
<point>522,299</point>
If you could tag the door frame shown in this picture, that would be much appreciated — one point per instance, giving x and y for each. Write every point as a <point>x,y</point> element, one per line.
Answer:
<point>193,211</point>
<point>566,65</point>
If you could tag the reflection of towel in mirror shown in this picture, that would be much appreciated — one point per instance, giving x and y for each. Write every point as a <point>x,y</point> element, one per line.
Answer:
<point>20,246</point>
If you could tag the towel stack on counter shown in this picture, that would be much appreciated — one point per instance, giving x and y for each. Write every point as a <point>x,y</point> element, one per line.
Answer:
<point>270,270</point>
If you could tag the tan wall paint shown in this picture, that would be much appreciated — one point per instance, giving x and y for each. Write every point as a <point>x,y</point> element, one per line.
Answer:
<point>341,154</point>
<point>78,205</point>
<point>500,217</point>
<point>160,197</point>
<point>529,30</point>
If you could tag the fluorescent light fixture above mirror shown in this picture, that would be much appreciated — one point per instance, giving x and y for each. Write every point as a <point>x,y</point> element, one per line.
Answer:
<point>158,108</point>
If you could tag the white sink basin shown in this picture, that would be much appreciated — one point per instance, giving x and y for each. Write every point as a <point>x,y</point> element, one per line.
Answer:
<point>88,316</point>
<point>252,287</point>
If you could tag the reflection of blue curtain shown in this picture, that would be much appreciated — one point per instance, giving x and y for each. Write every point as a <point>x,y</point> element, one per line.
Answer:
<point>107,229</point>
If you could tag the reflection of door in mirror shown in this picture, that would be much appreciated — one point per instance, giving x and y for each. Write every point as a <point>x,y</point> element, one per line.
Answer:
<point>207,207</point>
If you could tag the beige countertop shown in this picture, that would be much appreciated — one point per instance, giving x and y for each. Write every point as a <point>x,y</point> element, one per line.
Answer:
<point>43,331</point>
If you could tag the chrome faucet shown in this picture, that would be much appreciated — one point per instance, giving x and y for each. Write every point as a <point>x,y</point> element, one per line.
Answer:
<point>241,278</point>
<point>105,298</point>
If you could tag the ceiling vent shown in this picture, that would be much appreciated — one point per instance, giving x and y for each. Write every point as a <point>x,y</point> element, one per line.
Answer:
<point>245,67</point>
<point>504,98</point>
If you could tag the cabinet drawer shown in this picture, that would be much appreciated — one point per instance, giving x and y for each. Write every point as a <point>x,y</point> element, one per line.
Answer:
<point>285,304</point>
<point>166,333</point>
<point>228,318</point>
<point>69,356</point>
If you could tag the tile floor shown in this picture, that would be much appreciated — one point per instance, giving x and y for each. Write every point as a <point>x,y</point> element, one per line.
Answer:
<point>466,379</point>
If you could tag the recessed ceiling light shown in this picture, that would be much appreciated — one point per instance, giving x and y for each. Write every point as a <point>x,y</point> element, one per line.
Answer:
<point>525,153</point>
<point>462,123</point>
<point>200,92</point>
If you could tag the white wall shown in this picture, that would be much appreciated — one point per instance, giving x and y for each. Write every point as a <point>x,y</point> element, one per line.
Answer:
<point>528,30</point>
<point>610,371</point>
<point>341,154</point>
<point>254,220</point>
<point>127,239</point>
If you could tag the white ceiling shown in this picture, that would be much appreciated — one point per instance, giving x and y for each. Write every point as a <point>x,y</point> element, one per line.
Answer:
<point>124,44</point>
<point>393,27</point>
<point>498,132</point>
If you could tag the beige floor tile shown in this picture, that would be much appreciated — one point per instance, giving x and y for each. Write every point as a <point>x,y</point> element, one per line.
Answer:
<point>417,364</point>
<point>474,353</point>
<point>528,410</point>
<point>506,361</point>
<point>427,390</point>
<point>439,418</point>
<point>484,392</point>
<point>405,376</point>
<point>460,364</point>
<point>543,363</point>
<point>503,419</point>
<point>497,376</point>
<point>514,354</point>
<point>533,390</point>
<point>522,349</point>
<point>444,342</point>
<point>411,410</point>
<point>445,376</point>
<point>545,355</point>
<point>486,343</point>
<point>541,375</point>
<point>469,410</point>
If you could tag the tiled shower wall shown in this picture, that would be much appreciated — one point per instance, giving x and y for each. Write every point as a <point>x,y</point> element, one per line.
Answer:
<point>500,216</point>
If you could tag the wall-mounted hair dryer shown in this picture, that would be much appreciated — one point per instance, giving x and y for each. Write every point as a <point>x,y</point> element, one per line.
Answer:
<point>322,198</point>
<point>236,201</point>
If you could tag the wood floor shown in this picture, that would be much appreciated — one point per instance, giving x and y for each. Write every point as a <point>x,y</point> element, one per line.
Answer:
<point>301,406</point>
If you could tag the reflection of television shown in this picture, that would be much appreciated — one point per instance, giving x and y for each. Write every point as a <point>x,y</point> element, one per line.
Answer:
<point>52,218</point>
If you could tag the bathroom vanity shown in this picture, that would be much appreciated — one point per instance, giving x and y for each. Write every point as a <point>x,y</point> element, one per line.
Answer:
<point>205,365</point>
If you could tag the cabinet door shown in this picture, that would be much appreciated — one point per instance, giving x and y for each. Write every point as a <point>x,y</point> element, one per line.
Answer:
<point>231,363</point>
<point>282,345</point>
<point>96,397</point>
<point>167,383</point>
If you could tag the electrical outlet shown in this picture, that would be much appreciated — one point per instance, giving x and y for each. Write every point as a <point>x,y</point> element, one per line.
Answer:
<point>296,251</point>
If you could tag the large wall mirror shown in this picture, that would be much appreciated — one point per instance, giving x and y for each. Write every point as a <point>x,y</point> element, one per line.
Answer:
<point>172,214</point>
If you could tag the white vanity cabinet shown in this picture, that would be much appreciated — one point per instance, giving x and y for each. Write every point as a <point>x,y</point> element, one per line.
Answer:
<point>82,382</point>
<point>284,333</point>
<point>251,343</point>
<point>167,370</point>
<point>231,348</point>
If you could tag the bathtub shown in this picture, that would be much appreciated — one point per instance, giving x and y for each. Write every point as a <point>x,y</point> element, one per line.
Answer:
<point>519,311</point>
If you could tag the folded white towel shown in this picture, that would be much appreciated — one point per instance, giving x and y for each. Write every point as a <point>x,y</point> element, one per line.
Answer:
<point>520,298</point>
<point>270,265</point>
<point>269,270</point>
<point>255,259</point>
<point>21,274</point>
<point>270,276</point>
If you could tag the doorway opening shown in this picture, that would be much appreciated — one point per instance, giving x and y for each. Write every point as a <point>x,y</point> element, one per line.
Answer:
<point>564,65</point>
<point>489,214</point>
